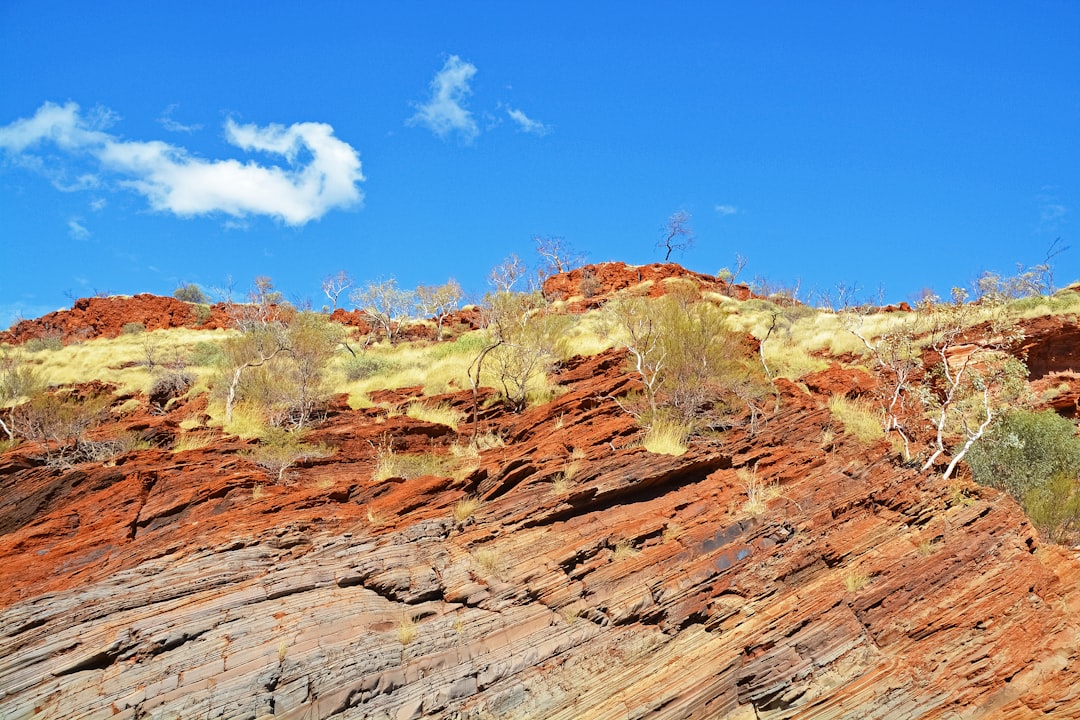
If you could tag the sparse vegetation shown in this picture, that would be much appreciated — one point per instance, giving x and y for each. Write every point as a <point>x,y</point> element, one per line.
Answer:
<point>666,435</point>
<point>58,422</point>
<point>489,561</point>
<point>758,492</point>
<point>278,450</point>
<point>193,441</point>
<point>406,630</point>
<point>465,508</point>
<point>858,418</point>
<point>854,581</point>
<point>385,305</point>
<point>441,414</point>
<point>623,550</point>
<point>693,368</point>
<point>391,464</point>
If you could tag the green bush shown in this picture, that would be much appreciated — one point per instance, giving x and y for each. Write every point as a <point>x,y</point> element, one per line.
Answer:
<point>133,328</point>
<point>48,341</point>
<point>1035,457</point>
<point>1022,450</point>
<point>191,293</point>
<point>362,367</point>
<point>207,354</point>
<point>201,313</point>
<point>1054,508</point>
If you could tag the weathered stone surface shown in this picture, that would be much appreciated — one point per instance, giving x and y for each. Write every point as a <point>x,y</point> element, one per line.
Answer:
<point>189,585</point>
<point>106,316</point>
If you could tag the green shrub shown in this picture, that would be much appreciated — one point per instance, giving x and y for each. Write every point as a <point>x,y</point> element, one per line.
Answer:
<point>363,367</point>
<point>1023,450</point>
<point>48,341</point>
<point>206,354</point>
<point>191,293</point>
<point>201,313</point>
<point>1035,457</point>
<point>133,328</point>
<point>278,450</point>
<point>1054,508</point>
<point>58,422</point>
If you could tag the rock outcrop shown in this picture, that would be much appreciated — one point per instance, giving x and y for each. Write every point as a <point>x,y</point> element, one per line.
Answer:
<point>96,317</point>
<point>775,570</point>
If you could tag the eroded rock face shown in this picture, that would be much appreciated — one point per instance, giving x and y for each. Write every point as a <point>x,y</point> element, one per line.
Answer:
<point>594,283</point>
<point>1051,345</point>
<point>169,585</point>
<point>95,317</point>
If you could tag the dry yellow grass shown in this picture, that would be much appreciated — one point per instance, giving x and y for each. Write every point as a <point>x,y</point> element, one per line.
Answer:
<point>121,360</point>
<point>193,441</point>
<point>666,437</point>
<point>465,507</point>
<point>441,414</point>
<point>860,420</point>
<point>490,561</point>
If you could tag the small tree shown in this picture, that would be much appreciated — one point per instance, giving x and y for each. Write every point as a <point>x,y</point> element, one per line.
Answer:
<point>281,368</point>
<point>312,340</point>
<point>689,362</point>
<point>191,293</point>
<point>504,277</point>
<point>264,305</point>
<point>639,330</point>
<point>531,340</point>
<point>256,347</point>
<point>334,285</point>
<point>897,359</point>
<point>279,450</point>
<point>1027,282</point>
<point>556,256</point>
<point>676,234</point>
<point>385,305</point>
<point>971,387</point>
<point>439,301</point>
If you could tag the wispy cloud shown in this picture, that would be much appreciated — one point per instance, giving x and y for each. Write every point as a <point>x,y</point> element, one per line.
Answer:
<point>1051,214</point>
<point>77,230</point>
<point>527,124</point>
<point>98,204</point>
<point>169,123</point>
<point>445,112</point>
<point>174,181</point>
<point>726,210</point>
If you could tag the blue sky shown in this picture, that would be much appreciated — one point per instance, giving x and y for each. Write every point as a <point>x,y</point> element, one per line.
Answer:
<point>906,145</point>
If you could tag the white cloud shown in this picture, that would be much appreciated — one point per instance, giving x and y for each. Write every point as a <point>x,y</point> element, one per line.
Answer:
<point>77,230</point>
<point>527,124</point>
<point>169,123</point>
<point>726,209</point>
<point>98,204</point>
<point>445,112</point>
<point>175,181</point>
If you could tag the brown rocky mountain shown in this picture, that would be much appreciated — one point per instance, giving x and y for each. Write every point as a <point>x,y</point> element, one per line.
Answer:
<point>594,579</point>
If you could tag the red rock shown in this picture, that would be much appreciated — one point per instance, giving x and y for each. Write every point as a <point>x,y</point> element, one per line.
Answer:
<point>171,584</point>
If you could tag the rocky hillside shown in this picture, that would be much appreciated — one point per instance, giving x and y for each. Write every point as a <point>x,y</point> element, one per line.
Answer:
<point>777,569</point>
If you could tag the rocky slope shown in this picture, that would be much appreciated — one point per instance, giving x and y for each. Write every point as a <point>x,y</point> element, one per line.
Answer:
<point>188,585</point>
